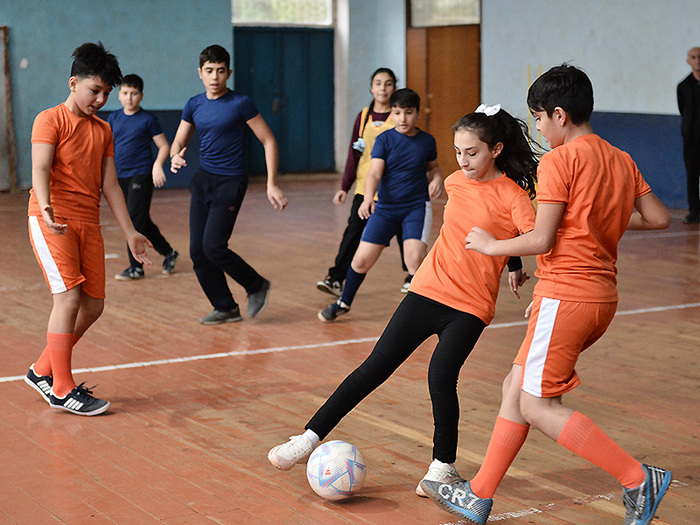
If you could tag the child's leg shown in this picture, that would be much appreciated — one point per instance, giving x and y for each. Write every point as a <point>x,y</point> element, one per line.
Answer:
<point>509,434</point>
<point>414,251</point>
<point>349,242</point>
<point>365,257</point>
<point>458,334</point>
<point>60,338</point>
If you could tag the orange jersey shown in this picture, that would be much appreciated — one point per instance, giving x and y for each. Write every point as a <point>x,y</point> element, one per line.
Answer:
<point>464,279</point>
<point>599,184</point>
<point>76,173</point>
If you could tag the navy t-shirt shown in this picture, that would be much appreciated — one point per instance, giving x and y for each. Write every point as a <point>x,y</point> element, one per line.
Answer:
<point>221,124</point>
<point>133,135</point>
<point>406,160</point>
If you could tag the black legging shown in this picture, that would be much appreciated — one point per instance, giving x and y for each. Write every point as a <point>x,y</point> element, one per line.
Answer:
<point>416,319</point>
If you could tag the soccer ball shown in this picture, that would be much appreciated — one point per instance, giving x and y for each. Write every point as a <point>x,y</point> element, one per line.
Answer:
<point>336,470</point>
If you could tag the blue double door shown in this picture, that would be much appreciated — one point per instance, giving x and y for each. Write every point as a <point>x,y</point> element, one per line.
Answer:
<point>289,74</point>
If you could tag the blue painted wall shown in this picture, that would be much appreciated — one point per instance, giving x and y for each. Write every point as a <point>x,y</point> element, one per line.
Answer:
<point>158,40</point>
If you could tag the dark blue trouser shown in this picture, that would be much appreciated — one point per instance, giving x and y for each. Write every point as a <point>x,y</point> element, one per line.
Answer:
<point>138,192</point>
<point>415,320</point>
<point>214,206</point>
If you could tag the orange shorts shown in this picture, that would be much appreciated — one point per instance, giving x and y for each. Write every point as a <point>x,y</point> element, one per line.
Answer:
<point>557,333</point>
<point>75,258</point>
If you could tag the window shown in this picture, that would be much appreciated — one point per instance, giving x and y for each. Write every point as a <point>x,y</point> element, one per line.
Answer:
<point>428,13</point>
<point>282,12</point>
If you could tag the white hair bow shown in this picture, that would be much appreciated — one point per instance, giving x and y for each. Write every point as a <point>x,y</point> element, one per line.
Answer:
<point>489,111</point>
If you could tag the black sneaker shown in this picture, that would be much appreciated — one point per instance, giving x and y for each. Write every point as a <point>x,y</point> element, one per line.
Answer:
<point>221,317</point>
<point>258,301</point>
<point>330,286</point>
<point>692,218</point>
<point>169,262</point>
<point>41,384</point>
<point>79,401</point>
<point>332,311</point>
<point>130,274</point>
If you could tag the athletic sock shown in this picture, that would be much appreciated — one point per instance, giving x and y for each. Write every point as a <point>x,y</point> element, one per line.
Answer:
<point>60,347</point>
<point>42,366</point>
<point>507,439</point>
<point>311,436</point>
<point>353,280</point>
<point>584,438</point>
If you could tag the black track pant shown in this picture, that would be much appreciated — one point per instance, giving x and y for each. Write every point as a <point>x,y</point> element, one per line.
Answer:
<point>414,321</point>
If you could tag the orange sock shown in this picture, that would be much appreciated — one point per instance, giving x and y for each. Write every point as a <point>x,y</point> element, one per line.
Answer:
<point>42,366</point>
<point>506,440</point>
<point>60,349</point>
<point>584,438</point>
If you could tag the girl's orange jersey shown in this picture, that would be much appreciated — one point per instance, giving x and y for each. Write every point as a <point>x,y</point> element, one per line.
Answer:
<point>76,173</point>
<point>464,279</point>
<point>598,183</point>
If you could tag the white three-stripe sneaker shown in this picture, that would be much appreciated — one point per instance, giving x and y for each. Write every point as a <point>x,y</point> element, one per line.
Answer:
<point>79,401</point>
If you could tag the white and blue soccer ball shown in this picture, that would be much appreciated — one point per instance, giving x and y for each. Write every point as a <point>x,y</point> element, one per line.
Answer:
<point>336,470</point>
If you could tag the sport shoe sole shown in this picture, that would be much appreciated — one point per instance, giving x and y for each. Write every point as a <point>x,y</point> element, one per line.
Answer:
<point>324,286</point>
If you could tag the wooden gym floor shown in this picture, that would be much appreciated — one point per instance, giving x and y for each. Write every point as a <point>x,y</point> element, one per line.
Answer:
<point>195,409</point>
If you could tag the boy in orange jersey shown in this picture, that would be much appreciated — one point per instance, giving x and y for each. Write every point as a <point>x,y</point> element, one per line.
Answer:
<point>72,167</point>
<point>587,192</point>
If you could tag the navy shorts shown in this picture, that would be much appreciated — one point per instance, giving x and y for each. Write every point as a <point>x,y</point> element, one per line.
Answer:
<point>413,221</point>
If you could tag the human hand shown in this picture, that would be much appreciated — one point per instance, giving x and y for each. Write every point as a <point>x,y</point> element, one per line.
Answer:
<point>276,197</point>
<point>137,244</point>
<point>158,176</point>
<point>178,161</point>
<point>528,310</point>
<point>339,197</point>
<point>515,280</point>
<point>47,215</point>
<point>479,240</point>
<point>435,188</point>
<point>366,208</point>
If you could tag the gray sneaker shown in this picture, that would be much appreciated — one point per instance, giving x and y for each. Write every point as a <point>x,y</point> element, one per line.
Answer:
<point>457,498</point>
<point>257,301</point>
<point>220,317</point>
<point>332,311</point>
<point>641,502</point>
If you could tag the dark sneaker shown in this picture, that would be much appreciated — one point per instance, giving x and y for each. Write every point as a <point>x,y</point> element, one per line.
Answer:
<point>169,262</point>
<point>41,384</point>
<point>330,286</point>
<point>692,218</point>
<point>258,301</point>
<point>79,401</point>
<point>457,498</point>
<point>130,274</point>
<point>406,284</point>
<point>641,502</point>
<point>333,310</point>
<point>221,317</point>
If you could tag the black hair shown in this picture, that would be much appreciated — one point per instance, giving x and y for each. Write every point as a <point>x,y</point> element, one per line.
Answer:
<point>566,87</point>
<point>93,60</point>
<point>405,98</point>
<point>518,160</point>
<point>133,81</point>
<point>371,105</point>
<point>216,55</point>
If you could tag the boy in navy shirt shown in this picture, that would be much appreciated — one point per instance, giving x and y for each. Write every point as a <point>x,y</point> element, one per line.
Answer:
<point>133,129</point>
<point>404,167</point>
<point>221,117</point>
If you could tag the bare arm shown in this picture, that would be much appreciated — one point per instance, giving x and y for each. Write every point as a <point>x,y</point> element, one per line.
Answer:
<point>374,175</point>
<point>264,134</point>
<point>651,214</point>
<point>163,151</point>
<point>42,159</point>
<point>539,240</point>
<point>115,198</point>
<point>179,146</point>
<point>434,179</point>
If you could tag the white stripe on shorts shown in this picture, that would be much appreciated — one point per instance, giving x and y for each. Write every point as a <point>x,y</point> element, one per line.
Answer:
<point>539,347</point>
<point>45,258</point>
<point>427,223</point>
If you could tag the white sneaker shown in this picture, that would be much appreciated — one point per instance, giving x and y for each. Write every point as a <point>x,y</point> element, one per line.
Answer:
<point>296,450</point>
<point>441,473</point>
